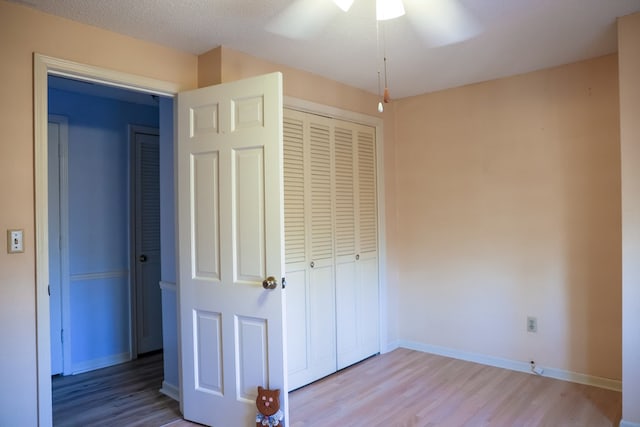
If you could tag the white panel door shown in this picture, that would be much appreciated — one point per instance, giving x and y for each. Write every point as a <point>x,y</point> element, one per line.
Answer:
<point>230,233</point>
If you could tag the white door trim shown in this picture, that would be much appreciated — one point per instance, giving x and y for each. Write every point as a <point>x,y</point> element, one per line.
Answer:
<point>63,208</point>
<point>377,123</point>
<point>43,66</point>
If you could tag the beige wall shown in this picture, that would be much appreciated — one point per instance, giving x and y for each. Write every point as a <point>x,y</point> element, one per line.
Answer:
<point>210,68</point>
<point>629,63</point>
<point>222,65</point>
<point>508,205</point>
<point>23,32</point>
<point>502,200</point>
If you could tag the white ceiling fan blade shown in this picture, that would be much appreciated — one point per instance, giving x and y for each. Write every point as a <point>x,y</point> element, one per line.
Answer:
<point>303,19</point>
<point>442,22</point>
<point>389,9</point>
<point>345,5</point>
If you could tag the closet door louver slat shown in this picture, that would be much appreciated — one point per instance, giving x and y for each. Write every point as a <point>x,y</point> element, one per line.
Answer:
<point>150,198</point>
<point>294,229</point>
<point>345,240</point>
<point>368,217</point>
<point>320,187</point>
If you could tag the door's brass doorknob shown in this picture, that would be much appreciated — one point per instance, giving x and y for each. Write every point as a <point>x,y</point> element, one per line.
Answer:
<point>270,283</point>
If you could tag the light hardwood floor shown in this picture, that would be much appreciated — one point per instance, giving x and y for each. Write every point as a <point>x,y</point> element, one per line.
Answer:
<point>410,388</point>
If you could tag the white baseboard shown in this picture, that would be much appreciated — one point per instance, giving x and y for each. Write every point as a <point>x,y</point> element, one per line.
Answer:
<point>515,365</point>
<point>170,390</point>
<point>390,346</point>
<point>102,362</point>
<point>624,423</point>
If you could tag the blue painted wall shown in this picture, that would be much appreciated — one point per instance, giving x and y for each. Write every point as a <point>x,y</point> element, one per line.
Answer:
<point>99,235</point>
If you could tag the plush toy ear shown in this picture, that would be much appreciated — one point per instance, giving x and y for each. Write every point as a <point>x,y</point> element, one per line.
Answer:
<point>260,389</point>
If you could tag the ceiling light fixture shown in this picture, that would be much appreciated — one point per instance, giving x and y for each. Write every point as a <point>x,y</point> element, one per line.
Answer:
<point>385,9</point>
<point>381,42</point>
<point>343,4</point>
<point>388,9</point>
<point>384,96</point>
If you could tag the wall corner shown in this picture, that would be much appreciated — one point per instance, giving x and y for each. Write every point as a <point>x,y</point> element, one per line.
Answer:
<point>629,81</point>
<point>210,67</point>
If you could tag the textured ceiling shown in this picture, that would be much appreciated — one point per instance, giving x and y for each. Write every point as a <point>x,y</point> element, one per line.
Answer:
<point>499,37</point>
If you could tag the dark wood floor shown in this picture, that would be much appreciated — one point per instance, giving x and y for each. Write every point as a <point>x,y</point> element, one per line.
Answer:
<point>122,395</point>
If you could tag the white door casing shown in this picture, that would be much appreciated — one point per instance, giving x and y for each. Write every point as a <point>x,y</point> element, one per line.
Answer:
<point>43,66</point>
<point>58,234</point>
<point>55,276</point>
<point>230,238</point>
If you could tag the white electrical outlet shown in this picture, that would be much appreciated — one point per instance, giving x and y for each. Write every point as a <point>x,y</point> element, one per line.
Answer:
<point>15,241</point>
<point>532,324</point>
<point>536,369</point>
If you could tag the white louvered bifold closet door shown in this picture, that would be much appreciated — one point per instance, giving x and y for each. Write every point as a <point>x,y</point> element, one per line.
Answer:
<point>357,303</point>
<point>310,283</point>
<point>346,277</point>
<point>367,245</point>
<point>330,244</point>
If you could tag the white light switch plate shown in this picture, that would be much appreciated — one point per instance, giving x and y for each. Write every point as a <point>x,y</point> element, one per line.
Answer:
<point>15,241</point>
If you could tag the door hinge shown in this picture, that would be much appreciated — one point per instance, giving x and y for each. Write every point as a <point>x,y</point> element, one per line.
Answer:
<point>49,290</point>
<point>284,283</point>
<point>62,336</point>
